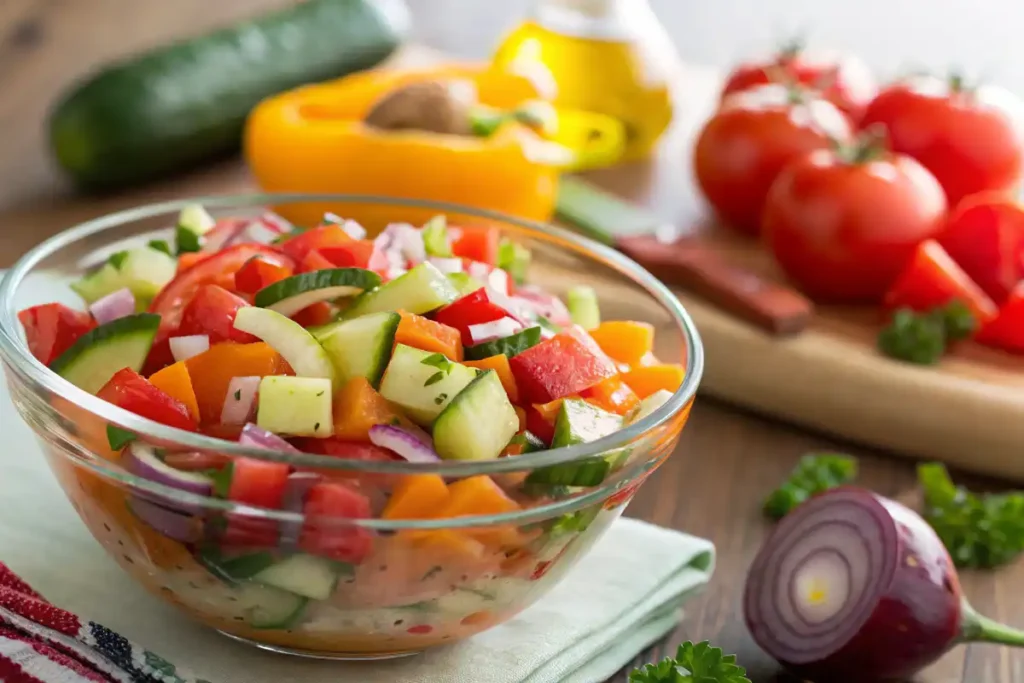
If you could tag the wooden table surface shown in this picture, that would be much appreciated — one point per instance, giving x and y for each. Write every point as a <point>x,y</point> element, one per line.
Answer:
<point>727,459</point>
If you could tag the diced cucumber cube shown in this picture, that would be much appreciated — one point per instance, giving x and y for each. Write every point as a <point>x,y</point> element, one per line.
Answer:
<point>196,219</point>
<point>478,423</point>
<point>583,307</point>
<point>650,404</point>
<point>307,575</point>
<point>421,290</point>
<point>267,607</point>
<point>296,406</point>
<point>464,283</point>
<point>581,422</point>
<point>435,237</point>
<point>143,270</point>
<point>360,347</point>
<point>99,353</point>
<point>423,383</point>
<point>514,258</point>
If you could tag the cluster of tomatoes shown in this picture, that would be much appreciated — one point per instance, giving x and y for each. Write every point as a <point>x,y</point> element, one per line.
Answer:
<point>902,195</point>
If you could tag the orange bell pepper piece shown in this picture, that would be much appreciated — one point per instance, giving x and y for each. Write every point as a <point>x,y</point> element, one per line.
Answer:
<point>212,370</point>
<point>175,381</point>
<point>501,366</point>
<point>357,407</point>
<point>647,380</point>
<point>477,495</point>
<point>521,414</point>
<point>428,335</point>
<point>416,496</point>
<point>549,411</point>
<point>625,341</point>
<point>613,395</point>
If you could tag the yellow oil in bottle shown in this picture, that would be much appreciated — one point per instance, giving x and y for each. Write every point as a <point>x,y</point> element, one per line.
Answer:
<point>611,57</point>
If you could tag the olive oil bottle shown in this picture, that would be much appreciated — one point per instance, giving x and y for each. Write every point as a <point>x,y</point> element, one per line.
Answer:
<point>610,57</point>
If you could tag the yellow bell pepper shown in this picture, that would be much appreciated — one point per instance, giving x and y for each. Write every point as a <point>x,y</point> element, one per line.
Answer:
<point>313,139</point>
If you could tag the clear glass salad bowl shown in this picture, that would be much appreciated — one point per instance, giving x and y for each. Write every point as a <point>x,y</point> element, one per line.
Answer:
<point>421,582</point>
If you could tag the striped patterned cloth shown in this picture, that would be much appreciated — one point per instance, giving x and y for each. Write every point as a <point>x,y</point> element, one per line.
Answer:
<point>41,643</point>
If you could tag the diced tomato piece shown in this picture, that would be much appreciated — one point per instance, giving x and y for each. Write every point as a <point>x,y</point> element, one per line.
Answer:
<point>129,390</point>
<point>160,355</point>
<point>355,254</point>
<point>325,532</point>
<point>933,279</point>
<point>190,258</point>
<point>558,367</point>
<point>212,312</point>
<point>985,236</point>
<point>258,273</point>
<point>259,483</point>
<point>473,309</point>
<point>314,261</point>
<point>319,313</point>
<point>219,268</point>
<point>353,450</point>
<point>330,235</point>
<point>51,329</point>
<point>477,242</point>
<point>539,426</point>
<point>1006,330</point>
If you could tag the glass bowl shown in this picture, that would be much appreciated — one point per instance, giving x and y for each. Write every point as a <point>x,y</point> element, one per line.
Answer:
<point>381,587</point>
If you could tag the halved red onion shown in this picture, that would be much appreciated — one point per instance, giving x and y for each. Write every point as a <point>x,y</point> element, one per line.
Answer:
<point>497,329</point>
<point>294,500</point>
<point>186,528</point>
<point>253,435</point>
<point>113,306</point>
<point>183,348</point>
<point>402,442</point>
<point>240,401</point>
<point>142,461</point>
<point>852,586</point>
<point>446,265</point>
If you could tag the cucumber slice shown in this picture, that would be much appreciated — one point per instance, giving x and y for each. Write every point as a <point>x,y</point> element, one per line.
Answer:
<point>423,383</point>
<point>435,237</point>
<point>291,295</point>
<point>237,568</point>
<point>580,422</point>
<point>464,283</point>
<point>306,575</point>
<point>421,290</point>
<point>514,258</point>
<point>583,308</point>
<point>267,607</point>
<point>297,406</point>
<point>650,404</point>
<point>99,353</point>
<point>510,346</point>
<point>360,347</point>
<point>143,270</point>
<point>531,444</point>
<point>478,423</point>
<point>287,337</point>
<point>196,219</point>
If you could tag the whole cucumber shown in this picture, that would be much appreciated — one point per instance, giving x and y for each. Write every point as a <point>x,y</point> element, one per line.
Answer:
<point>173,107</point>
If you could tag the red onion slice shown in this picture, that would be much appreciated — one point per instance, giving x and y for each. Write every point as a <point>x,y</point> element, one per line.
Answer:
<point>185,528</point>
<point>407,241</point>
<point>113,306</point>
<point>499,281</point>
<point>142,461</point>
<point>402,442</point>
<point>294,500</point>
<point>240,401</point>
<point>542,303</point>
<point>255,436</point>
<point>183,348</point>
<point>497,329</point>
<point>271,221</point>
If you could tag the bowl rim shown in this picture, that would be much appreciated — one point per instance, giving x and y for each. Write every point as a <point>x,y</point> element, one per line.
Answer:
<point>15,351</point>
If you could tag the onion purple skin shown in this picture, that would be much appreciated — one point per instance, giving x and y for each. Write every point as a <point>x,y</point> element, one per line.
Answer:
<point>917,615</point>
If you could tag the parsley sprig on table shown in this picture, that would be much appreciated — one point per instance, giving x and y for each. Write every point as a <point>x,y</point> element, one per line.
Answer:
<point>922,338</point>
<point>698,663</point>
<point>816,472</point>
<point>978,530</point>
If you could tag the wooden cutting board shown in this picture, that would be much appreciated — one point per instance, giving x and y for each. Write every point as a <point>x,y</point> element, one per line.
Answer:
<point>968,411</point>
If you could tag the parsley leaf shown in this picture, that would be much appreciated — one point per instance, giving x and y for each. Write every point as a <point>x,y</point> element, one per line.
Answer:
<point>221,480</point>
<point>816,472</point>
<point>979,530</point>
<point>119,438</point>
<point>434,379</point>
<point>117,259</point>
<point>698,663</point>
<point>922,338</point>
<point>160,245</point>
<point>187,240</point>
<point>436,360</point>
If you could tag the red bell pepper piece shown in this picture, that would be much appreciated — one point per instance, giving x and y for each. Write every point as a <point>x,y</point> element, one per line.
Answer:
<point>329,235</point>
<point>473,309</point>
<point>129,390</point>
<point>932,279</point>
<point>558,367</point>
<point>1006,330</point>
<point>313,315</point>
<point>985,236</point>
<point>258,273</point>
<point>539,426</point>
<point>51,329</point>
<point>355,254</point>
<point>325,532</point>
<point>212,312</point>
<point>477,242</point>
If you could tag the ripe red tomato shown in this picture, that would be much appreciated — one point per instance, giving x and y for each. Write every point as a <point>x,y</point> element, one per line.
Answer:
<point>212,312</point>
<point>968,137</point>
<point>752,136</point>
<point>844,80</point>
<point>129,390</point>
<point>843,224</point>
<point>51,329</point>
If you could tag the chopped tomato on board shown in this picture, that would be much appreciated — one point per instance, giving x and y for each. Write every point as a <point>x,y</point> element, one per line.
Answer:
<point>129,390</point>
<point>985,236</point>
<point>933,279</point>
<point>51,329</point>
<point>325,532</point>
<point>1006,330</point>
<point>330,235</point>
<point>478,243</point>
<point>212,312</point>
<point>473,309</point>
<point>258,273</point>
<point>558,367</point>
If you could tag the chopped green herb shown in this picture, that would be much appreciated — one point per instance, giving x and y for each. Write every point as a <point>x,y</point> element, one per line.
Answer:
<point>922,338</point>
<point>978,530</point>
<point>434,379</point>
<point>437,360</point>
<point>395,422</point>
<point>161,245</point>
<point>816,472</point>
<point>959,320</point>
<point>316,427</point>
<point>238,395</point>
<point>119,438</point>
<point>221,480</point>
<point>186,240</point>
<point>117,259</point>
<point>573,522</point>
<point>440,398</point>
<point>698,663</point>
<point>319,394</point>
